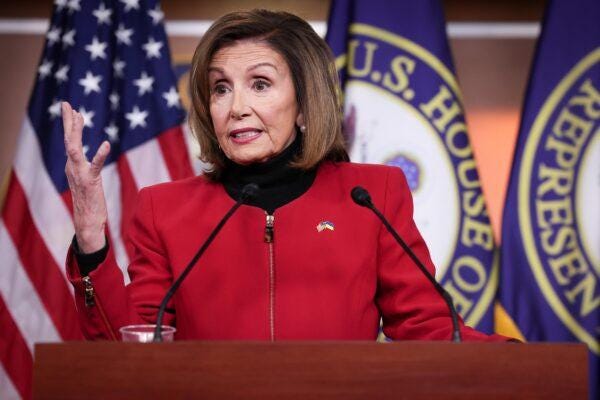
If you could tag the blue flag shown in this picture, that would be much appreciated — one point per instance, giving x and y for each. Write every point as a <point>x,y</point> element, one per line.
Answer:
<point>551,223</point>
<point>403,108</point>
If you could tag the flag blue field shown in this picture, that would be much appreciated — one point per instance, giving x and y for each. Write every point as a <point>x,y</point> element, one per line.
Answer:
<point>551,223</point>
<point>403,108</point>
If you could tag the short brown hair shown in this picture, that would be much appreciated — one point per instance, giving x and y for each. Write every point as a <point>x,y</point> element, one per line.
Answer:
<point>313,72</point>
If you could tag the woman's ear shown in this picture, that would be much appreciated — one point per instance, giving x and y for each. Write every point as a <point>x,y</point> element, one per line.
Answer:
<point>300,120</point>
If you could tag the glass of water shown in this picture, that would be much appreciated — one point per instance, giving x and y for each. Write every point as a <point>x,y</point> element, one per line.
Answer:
<point>145,333</point>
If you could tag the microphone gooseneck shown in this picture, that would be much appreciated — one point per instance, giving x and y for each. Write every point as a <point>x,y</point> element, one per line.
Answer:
<point>362,197</point>
<point>249,192</point>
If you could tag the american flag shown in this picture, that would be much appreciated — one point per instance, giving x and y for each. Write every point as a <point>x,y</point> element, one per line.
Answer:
<point>110,60</point>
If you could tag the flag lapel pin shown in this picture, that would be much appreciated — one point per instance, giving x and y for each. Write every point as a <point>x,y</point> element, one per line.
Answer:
<point>324,225</point>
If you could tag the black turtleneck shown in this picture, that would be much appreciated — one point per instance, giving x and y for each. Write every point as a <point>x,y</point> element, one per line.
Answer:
<point>279,183</point>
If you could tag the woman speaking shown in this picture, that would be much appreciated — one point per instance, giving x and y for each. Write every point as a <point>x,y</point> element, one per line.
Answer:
<point>300,260</point>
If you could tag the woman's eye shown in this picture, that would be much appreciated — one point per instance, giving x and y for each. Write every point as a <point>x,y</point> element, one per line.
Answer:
<point>261,85</point>
<point>220,89</point>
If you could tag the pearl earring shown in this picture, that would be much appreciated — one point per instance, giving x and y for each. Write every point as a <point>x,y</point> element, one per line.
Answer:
<point>303,128</point>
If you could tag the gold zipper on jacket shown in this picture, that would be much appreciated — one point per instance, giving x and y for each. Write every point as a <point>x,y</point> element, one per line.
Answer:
<point>91,300</point>
<point>89,292</point>
<point>269,238</point>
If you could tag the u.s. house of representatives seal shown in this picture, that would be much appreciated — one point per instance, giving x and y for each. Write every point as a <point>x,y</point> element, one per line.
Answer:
<point>403,108</point>
<point>559,200</point>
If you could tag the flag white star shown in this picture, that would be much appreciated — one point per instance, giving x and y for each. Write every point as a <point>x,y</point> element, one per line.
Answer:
<point>102,14</point>
<point>85,149</point>
<point>45,69</point>
<point>53,35</point>
<point>73,5</point>
<point>124,35</point>
<point>114,100</point>
<point>172,97</point>
<point>91,83</point>
<point>87,117</point>
<point>55,109</point>
<point>68,38</point>
<point>130,4</point>
<point>156,14</point>
<point>137,118</point>
<point>61,74</point>
<point>144,83</point>
<point>152,48</point>
<point>112,132</point>
<point>96,48</point>
<point>118,66</point>
<point>60,4</point>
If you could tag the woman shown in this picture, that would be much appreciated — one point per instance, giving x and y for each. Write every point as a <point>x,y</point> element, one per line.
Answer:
<point>302,261</point>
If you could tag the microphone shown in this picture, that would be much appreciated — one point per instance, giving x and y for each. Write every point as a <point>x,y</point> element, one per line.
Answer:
<point>249,192</point>
<point>363,198</point>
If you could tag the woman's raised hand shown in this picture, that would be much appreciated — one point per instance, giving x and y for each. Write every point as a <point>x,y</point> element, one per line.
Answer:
<point>85,182</point>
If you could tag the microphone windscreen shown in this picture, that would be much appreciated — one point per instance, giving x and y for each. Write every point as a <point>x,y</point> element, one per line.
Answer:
<point>361,196</point>
<point>249,192</point>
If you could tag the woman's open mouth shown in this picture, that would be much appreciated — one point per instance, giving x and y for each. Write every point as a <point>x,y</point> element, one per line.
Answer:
<point>244,135</point>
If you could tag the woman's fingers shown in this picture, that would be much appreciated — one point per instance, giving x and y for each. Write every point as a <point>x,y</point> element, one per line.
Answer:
<point>73,128</point>
<point>74,124</point>
<point>99,158</point>
<point>73,131</point>
<point>67,117</point>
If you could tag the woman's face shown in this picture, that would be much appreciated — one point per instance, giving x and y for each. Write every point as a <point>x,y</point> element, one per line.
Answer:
<point>252,102</point>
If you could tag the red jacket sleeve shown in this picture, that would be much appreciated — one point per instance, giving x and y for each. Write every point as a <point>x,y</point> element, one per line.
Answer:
<point>410,305</point>
<point>104,303</point>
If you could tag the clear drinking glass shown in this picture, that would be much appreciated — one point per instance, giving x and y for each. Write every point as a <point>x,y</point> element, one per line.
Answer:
<point>145,333</point>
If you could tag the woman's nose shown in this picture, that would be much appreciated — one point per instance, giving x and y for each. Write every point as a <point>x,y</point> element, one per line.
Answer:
<point>239,106</point>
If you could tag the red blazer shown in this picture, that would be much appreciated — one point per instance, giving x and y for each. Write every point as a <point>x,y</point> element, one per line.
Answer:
<point>331,271</point>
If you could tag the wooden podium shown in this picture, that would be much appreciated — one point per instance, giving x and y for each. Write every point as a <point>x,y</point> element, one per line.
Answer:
<point>310,370</point>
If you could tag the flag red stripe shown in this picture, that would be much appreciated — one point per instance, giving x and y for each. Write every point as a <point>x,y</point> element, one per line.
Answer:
<point>173,147</point>
<point>128,197</point>
<point>39,264</point>
<point>68,200</point>
<point>14,353</point>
